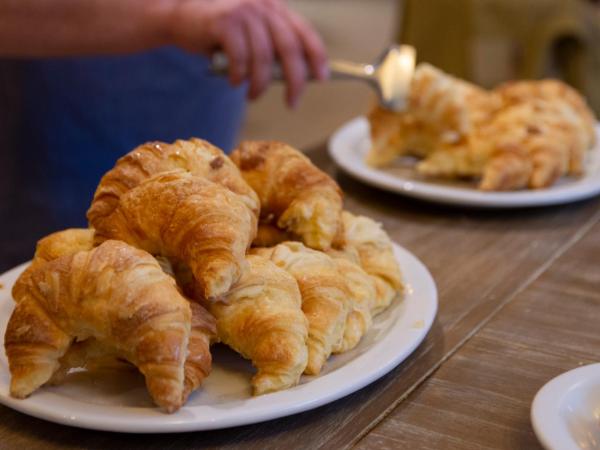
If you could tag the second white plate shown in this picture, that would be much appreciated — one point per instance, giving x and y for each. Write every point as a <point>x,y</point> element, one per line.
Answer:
<point>350,143</point>
<point>224,400</point>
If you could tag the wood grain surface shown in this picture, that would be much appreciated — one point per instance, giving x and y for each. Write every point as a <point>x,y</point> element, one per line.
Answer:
<point>481,397</point>
<point>484,263</point>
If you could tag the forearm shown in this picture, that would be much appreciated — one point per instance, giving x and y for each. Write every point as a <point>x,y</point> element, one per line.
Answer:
<point>46,28</point>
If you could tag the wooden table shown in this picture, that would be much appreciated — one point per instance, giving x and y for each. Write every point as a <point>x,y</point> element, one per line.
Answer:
<point>518,304</point>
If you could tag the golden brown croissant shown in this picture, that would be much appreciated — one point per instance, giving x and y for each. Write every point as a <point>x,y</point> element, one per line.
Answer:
<point>363,294</point>
<point>262,320</point>
<point>294,194</point>
<point>188,218</point>
<point>196,156</point>
<point>55,245</point>
<point>374,248</point>
<point>270,235</point>
<point>325,299</point>
<point>521,134</point>
<point>117,295</point>
<point>542,132</point>
<point>442,113</point>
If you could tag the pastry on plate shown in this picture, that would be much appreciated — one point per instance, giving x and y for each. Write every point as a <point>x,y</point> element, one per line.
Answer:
<point>366,238</point>
<point>524,134</point>
<point>295,196</point>
<point>262,319</point>
<point>55,245</point>
<point>186,218</point>
<point>363,293</point>
<point>120,297</point>
<point>325,298</point>
<point>195,156</point>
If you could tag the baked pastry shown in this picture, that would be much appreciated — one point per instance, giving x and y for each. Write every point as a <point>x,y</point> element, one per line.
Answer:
<point>55,245</point>
<point>262,320</point>
<point>186,218</point>
<point>325,298</point>
<point>119,296</point>
<point>367,239</point>
<point>522,134</point>
<point>442,113</point>
<point>270,235</point>
<point>196,156</point>
<point>294,194</point>
<point>363,294</point>
<point>543,132</point>
<point>94,355</point>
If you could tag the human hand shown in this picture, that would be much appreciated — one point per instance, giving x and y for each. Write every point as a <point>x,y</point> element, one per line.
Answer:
<point>252,33</point>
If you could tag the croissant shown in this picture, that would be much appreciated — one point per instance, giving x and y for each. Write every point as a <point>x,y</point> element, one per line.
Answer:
<point>196,156</point>
<point>521,134</point>
<point>186,218</point>
<point>325,298</point>
<point>270,235</point>
<point>542,133</point>
<point>262,320</point>
<point>54,245</point>
<point>374,248</point>
<point>442,113</point>
<point>117,295</point>
<point>294,194</point>
<point>363,294</point>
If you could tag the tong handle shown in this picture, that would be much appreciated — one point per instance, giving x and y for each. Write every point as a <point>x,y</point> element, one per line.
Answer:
<point>339,69</point>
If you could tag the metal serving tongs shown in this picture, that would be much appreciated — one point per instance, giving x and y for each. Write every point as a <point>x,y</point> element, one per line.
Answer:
<point>390,75</point>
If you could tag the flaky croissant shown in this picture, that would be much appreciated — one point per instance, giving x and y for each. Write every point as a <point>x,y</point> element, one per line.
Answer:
<point>262,320</point>
<point>195,156</point>
<point>325,299</point>
<point>523,134</point>
<point>442,112</point>
<point>363,294</point>
<point>374,247</point>
<point>186,218</point>
<point>119,296</point>
<point>55,245</point>
<point>294,194</point>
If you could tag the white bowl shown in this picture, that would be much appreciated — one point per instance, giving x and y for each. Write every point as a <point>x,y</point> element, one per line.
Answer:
<point>566,412</point>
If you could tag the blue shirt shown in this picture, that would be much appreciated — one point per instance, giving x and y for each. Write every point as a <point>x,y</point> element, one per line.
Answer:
<point>77,116</point>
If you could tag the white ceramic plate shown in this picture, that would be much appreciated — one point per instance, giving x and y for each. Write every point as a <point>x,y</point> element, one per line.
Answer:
<point>122,403</point>
<point>350,143</point>
<point>566,412</point>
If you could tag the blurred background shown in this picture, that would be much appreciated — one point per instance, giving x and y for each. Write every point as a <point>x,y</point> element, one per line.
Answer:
<point>485,41</point>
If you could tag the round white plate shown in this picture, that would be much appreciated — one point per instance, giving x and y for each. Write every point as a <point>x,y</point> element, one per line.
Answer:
<point>224,400</point>
<point>566,412</point>
<point>351,142</point>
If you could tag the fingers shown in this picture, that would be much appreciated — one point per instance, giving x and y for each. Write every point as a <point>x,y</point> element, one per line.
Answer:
<point>261,54</point>
<point>313,46</point>
<point>255,32</point>
<point>291,55</point>
<point>236,46</point>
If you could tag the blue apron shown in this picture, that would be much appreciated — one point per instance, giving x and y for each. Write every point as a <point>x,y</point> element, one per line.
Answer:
<point>78,115</point>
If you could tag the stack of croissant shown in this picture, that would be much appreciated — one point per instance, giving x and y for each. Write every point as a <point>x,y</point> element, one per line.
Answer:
<point>522,134</point>
<point>188,247</point>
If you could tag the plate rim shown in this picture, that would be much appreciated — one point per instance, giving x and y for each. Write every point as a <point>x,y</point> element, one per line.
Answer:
<point>430,190</point>
<point>186,421</point>
<point>550,430</point>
